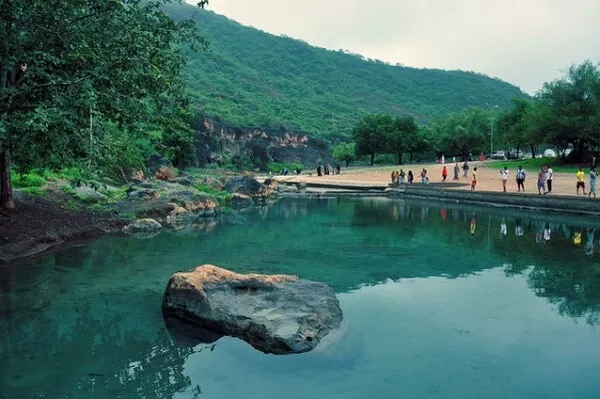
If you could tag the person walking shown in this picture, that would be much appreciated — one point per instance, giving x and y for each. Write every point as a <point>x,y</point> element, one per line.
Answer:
<point>424,177</point>
<point>504,174</point>
<point>402,176</point>
<point>593,176</point>
<point>444,174</point>
<point>456,171</point>
<point>410,177</point>
<point>465,169</point>
<point>541,182</point>
<point>521,175</point>
<point>549,175</point>
<point>580,181</point>
<point>474,179</point>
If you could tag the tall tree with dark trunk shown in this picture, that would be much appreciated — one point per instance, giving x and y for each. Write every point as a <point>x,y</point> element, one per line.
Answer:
<point>371,133</point>
<point>61,62</point>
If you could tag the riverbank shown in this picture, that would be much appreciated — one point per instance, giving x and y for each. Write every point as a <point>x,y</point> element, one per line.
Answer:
<point>38,225</point>
<point>60,217</point>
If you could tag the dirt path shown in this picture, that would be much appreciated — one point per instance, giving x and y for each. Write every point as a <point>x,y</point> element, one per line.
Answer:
<point>488,179</point>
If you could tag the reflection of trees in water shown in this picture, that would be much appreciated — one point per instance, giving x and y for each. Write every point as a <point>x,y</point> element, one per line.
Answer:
<point>559,258</point>
<point>91,356</point>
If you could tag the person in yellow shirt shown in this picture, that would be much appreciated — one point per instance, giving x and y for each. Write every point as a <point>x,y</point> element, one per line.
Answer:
<point>580,181</point>
<point>474,181</point>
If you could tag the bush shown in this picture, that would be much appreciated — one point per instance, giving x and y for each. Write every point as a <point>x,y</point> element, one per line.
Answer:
<point>385,159</point>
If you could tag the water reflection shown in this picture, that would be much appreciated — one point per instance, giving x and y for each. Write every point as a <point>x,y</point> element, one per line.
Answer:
<point>86,321</point>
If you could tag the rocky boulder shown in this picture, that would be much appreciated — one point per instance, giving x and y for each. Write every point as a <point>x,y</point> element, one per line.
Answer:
<point>143,227</point>
<point>200,204</point>
<point>245,185</point>
<point>278,314</point>
<point>155,162</point>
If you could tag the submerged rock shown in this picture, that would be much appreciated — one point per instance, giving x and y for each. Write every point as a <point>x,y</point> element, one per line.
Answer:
<point>278,314</point>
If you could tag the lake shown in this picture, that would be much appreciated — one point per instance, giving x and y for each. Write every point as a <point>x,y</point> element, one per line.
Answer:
<point>438,301</point>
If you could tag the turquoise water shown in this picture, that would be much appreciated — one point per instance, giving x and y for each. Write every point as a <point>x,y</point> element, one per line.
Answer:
<point>431,310</point>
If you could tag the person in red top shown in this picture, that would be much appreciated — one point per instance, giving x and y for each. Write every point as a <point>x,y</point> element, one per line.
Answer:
<point>444,174</point>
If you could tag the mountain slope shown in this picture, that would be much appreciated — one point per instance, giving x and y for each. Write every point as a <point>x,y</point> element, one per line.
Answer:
<point>250,78</point>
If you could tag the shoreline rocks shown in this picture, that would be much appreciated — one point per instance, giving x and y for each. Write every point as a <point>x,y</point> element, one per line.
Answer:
<point>279,314</point>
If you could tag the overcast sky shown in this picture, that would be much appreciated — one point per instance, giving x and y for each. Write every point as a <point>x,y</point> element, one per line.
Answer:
<point>524,42</point>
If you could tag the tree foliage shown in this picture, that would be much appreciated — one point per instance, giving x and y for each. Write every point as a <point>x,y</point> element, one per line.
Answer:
<point>81,79</point>
<point>345,152</point>
<point>566,112</point>
<point>462,134</point>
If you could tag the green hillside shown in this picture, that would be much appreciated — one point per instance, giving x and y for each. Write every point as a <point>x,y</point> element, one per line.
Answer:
<point>252,78</point>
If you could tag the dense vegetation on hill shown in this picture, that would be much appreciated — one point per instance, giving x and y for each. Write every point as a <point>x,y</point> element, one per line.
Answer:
<point>251,78</point>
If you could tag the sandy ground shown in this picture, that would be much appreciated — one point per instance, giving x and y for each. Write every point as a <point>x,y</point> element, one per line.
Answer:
<point>488,179</point>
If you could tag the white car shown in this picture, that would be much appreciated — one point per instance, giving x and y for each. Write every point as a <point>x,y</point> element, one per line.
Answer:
<point>549,153</point>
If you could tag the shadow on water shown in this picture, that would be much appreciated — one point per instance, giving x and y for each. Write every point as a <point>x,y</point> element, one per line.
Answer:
<point>86,321</point>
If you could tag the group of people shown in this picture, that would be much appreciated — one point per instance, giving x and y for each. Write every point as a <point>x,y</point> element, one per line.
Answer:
<point>544,180</point>
<point>326,170</point>
<point>399,177</point>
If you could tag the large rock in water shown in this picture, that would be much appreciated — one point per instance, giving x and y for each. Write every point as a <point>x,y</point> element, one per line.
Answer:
<point>278,314</point>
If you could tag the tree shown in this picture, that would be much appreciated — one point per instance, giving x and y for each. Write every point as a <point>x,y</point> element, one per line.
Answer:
<point>345,152</point>
<point>572,108</point>
<point>462,133</point>
<point>66,63</point>
<point>370,134</point>
<point>404,137</point>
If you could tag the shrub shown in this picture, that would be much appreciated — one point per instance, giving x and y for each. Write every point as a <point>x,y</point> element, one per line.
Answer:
<point>28,180</point>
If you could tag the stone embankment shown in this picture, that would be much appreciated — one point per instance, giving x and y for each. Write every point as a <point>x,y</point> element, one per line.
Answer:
<point>444,192</point>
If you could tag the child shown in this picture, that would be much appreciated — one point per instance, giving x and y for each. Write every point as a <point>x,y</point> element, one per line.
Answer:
<point>474,181</point>
<point>504,174</point>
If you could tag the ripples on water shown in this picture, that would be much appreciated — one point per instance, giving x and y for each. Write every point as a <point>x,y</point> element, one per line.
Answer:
<point>449,302</point>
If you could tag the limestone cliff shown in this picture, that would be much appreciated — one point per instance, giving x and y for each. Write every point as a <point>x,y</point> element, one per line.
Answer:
<point>216,141</point>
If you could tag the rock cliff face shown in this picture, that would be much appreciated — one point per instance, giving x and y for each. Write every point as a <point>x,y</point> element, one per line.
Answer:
<point>215,140</point>
<point>278,314</point>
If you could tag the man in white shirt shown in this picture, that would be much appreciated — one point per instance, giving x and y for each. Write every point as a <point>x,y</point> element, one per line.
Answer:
<point>504,173</point>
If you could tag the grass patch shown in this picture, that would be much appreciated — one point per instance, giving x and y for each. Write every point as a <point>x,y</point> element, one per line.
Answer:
<point>26,180</point>
<point>534,164</point>
<point>35,191</point>
<point>223,197</point>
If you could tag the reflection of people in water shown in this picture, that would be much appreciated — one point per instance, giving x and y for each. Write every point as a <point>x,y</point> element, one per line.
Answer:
<point>473,225</point>
<point>503,228</point>
<point>539,233</point>
<point>518,228</point>
<point>547,232</point>
<point>444,213</point>
<point>577,238</point>
<point>589,245</point>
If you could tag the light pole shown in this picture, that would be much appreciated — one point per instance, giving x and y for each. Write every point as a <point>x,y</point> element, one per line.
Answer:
<point>492,130</point>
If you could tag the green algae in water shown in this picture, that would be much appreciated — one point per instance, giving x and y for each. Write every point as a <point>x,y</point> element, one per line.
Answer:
<point>433,308</point>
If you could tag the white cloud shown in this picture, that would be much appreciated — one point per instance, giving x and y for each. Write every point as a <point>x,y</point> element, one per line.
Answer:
<point>525,42</point>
